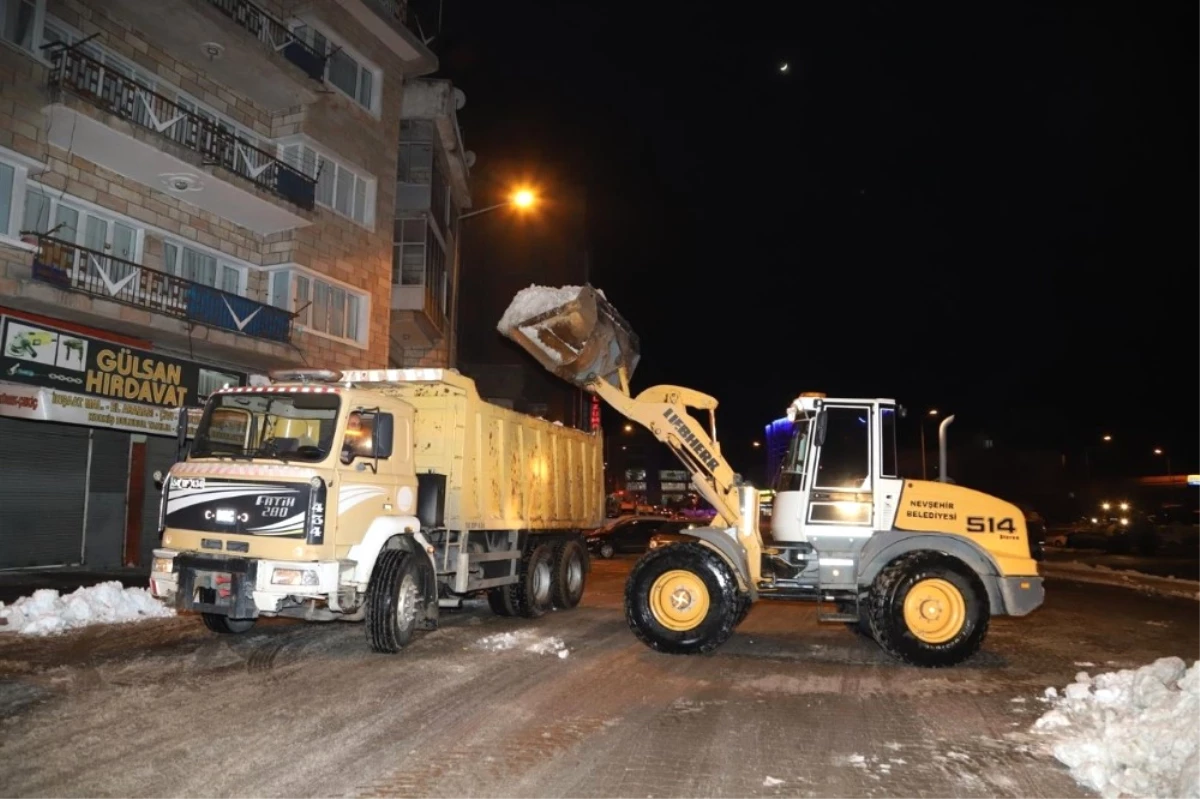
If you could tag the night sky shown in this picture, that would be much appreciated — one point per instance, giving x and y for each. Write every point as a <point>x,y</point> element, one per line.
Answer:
<point>987,208</point>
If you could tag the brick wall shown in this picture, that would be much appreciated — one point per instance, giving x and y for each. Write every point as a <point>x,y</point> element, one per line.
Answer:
<point>331,245</point>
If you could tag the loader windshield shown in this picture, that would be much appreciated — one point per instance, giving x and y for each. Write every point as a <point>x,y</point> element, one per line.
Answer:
<point>280,426</point>
<point>795,460</point>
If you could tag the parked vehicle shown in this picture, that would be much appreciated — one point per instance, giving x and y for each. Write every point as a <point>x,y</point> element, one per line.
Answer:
<point>630,534</point>
<point>377,495</point>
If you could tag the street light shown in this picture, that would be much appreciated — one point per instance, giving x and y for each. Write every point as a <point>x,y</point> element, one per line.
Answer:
<point>924,471</point>
<point>522,199</point>
<point>1163,452</point>
<point>1106,437</point>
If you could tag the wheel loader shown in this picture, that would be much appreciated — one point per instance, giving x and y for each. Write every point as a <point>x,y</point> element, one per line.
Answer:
<point>919,566</point>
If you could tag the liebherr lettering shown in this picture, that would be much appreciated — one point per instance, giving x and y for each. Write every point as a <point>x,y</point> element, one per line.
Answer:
<point>689,438</point>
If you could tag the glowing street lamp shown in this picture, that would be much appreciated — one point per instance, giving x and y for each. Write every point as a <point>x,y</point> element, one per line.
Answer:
<point>1163,453</point>
<point>522,199</point>
<point>1106,437</point>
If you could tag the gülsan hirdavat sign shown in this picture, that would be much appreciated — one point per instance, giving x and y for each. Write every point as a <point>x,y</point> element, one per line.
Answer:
<point>47,357</point>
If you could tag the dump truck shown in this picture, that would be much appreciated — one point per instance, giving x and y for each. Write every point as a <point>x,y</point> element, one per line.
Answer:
<point>919,566</point>
<point>377,496</point>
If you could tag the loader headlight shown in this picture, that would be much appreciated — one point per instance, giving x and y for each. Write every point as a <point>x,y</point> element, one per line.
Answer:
<point>163,565</point>
<point>295,577</point>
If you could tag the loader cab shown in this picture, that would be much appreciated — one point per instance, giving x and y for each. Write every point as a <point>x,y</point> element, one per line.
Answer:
<point>838,478</point>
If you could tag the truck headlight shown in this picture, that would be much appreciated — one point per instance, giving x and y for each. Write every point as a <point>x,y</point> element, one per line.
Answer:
<point>163,565</point>
<point>294,577</point>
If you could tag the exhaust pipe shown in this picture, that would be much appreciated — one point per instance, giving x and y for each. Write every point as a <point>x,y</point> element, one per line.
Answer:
<point>942,476</point>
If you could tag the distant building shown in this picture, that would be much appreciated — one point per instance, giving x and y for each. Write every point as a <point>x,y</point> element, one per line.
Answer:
<point>191,191</point>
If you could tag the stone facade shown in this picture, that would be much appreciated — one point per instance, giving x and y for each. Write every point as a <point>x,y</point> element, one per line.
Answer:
<point>358,256</point>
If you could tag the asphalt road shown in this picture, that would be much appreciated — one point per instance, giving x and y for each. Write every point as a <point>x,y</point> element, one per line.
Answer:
<point>164,708</point>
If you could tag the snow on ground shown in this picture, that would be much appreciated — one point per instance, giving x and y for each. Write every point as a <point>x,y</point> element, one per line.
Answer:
<point>533,301</point>
<point>1134,732</point>
<point>1103,575</point>
<point>46,612</point>
<point>525,639</point>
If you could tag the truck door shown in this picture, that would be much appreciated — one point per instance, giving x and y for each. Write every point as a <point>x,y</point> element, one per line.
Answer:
<point>841,500</point>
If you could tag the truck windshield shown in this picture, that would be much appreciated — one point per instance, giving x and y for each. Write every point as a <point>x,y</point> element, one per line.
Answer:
<point>791,470</point>
<point>283,426</point>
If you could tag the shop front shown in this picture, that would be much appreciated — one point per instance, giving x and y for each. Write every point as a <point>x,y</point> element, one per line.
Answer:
<point>86,417</point>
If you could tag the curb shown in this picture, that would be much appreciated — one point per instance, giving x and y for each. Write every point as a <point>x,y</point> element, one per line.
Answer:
<point>1146,583</point>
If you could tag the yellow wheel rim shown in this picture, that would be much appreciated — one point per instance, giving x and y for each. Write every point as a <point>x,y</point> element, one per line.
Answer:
<point>935,610</point>
<point>679,600</point>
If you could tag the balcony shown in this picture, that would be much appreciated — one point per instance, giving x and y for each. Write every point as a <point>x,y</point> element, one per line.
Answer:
<point>166,144</point>
<point>408,47</point>
<point>418,317</point>
<point>235,43</point>
<point>74,268</point>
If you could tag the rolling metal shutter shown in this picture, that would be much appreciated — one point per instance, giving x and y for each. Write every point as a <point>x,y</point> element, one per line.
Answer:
<point>43,489</point>
<point>160,454</point>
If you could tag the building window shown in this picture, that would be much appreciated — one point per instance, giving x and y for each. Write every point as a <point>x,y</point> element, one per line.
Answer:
<point>408,252</point>
<point>8,182</point>
<point>347,72</point>
<point>19,22</point>
<point>339,187</point>
<point>61,219</point>
<point>201,267</point>
<point>320,305</point>
<point>212,380</point>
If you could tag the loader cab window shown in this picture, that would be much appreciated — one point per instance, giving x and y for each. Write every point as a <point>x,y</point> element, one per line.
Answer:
<point>888,465</point>
<point>846,451</point>
<point>792,468</point>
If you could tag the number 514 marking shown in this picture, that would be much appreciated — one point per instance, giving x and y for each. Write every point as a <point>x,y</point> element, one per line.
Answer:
<point>990,524</point>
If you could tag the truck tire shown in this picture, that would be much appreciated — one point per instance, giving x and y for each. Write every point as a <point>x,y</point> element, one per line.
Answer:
<point>570,573</point>
<point>928,609</point>
<point>532,595</point>
<point>682,599</point>
<point>225,625</point>
<point>500,601</point>
<point>394,599</point>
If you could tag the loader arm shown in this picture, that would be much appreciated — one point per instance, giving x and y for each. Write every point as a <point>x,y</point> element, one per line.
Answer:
<point>663,410</point>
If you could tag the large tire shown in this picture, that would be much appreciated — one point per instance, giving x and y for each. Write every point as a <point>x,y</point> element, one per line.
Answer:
<point>395,599</point>
<point>743,610</point>
<point>569,569</point>
<point>863,625</point>
<point>682,599</point>
<point>225,625</point>
<point>928,609</point>
<point>500,601</point>
<point>532,595</point>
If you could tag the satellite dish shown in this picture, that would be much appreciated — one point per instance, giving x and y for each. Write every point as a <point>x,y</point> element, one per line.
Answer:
<point>460,99</point>
<point>469,158</point>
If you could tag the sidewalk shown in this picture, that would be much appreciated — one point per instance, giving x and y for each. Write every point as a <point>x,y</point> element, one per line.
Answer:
<point>65,579</point>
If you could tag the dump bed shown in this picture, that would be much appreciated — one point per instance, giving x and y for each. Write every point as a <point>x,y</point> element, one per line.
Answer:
<point>505,470</point>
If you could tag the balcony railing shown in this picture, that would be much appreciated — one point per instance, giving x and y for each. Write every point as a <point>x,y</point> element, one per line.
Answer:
<point>391,10</point>
<point>117,94</point>
<point>76,268</point>
<point>276,35</point>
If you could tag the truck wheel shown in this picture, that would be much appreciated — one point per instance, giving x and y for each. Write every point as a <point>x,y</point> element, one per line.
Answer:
<point>928,609</point>
<point>225,625</point>
<point>394,599</point>
<point>531,595</point>
<point>500,602</point>
<point>570,573</point>
<point>682,599</point>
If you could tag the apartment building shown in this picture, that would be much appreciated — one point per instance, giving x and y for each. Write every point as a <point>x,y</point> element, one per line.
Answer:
<point>432,191</point>
<point>191,191</point>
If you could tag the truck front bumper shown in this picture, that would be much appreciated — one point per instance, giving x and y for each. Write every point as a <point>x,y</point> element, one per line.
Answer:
<point>240,588</point>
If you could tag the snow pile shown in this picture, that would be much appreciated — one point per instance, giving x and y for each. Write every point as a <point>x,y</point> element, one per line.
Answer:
<point>1134,732</point>
<point>525,639</point>
<point>533,301</point>
<point>46,612</point>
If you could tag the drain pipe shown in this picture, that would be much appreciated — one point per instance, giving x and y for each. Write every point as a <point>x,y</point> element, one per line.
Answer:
<point>942,476</point>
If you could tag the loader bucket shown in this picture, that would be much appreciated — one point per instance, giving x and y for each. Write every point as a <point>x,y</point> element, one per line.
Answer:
<point>573,332</point>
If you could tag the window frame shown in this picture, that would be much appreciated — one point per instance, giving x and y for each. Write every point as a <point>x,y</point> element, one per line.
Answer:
<point>87,210</point>
<point>868,449</point>
<point>223,261</point>
<point>303,319</point>
<point>21,166</point>
<point>334,42</point>
<point>38,24</point>
<point>320,157</point>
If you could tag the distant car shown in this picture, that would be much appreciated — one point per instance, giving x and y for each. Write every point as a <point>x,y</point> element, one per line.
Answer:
<point>630,534</point>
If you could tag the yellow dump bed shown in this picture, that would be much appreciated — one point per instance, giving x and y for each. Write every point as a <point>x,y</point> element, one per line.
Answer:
<point>505,470</point>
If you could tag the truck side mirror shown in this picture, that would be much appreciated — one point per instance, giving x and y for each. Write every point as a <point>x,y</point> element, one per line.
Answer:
<point>381,436</point>
<point>158,479</point>
<point>181,429</point>
<point>821,426</point>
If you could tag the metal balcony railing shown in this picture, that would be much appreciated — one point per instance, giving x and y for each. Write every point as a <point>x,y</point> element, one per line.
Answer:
<point>275,34</point>
<point>392,10</point>
<point>76,268</point>
<point>118,94</point>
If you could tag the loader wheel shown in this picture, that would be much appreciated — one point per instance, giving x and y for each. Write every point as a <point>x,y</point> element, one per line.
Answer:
<point>225,625</point>
<point>395,599</point>
<point>570,572</point>
<point>928,609</point>
<point>500,602</point>
<point>532,595</point>
<point>682,600</point>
